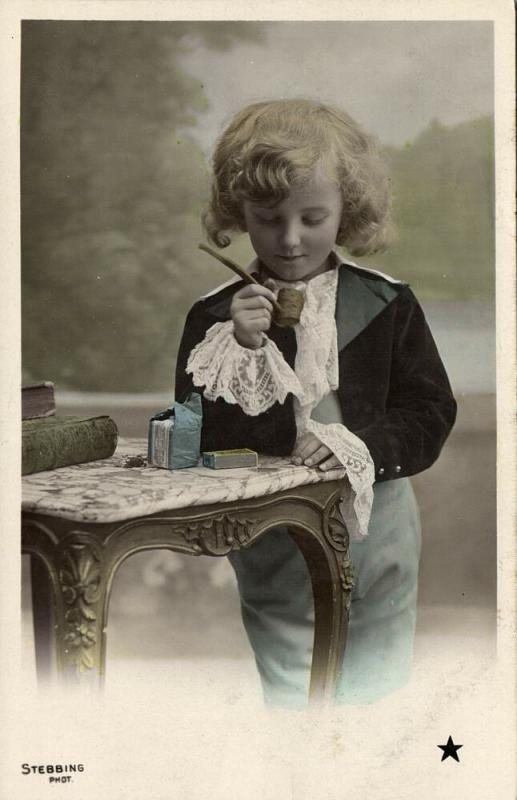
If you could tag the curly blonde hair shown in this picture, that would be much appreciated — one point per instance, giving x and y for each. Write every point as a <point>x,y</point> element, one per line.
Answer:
<point>271,145</point>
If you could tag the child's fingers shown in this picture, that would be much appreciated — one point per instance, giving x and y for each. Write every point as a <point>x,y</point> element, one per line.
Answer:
<point>260,323</point>
<point>257,313</point>
<point>250,303</point>
<point>307,445</point>
<point>310,450</point>
<point>248,328</point>
<point>250,319</point>
<point>330,463</point>
<point>301,450</point>
<point>255,290</point>
<point>318,455</point>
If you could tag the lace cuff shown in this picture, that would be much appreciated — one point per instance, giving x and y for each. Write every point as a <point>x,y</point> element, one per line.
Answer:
<point>353,454</point>
<point>254,379</point>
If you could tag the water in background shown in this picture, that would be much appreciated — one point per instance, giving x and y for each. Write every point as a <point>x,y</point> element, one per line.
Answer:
<point>465,335</point>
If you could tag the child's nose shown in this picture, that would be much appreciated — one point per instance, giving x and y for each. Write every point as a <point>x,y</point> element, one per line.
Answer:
<point>290,236</point>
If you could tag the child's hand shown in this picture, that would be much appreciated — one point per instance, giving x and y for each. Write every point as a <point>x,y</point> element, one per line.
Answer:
<point>312,452</point>
<point>251,311</point>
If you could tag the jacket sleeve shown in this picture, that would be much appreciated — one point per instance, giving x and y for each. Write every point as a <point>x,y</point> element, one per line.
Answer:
<point>420,406</point>
<point>194,331</point>
<point>225,425</point>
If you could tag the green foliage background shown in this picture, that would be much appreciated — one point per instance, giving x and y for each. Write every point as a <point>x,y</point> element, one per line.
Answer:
<point>111,199</point>
<point>444,211</point>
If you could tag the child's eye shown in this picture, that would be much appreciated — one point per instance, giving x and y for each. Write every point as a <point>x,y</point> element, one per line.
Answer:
<point>314,220</point>
<point>267,221</point>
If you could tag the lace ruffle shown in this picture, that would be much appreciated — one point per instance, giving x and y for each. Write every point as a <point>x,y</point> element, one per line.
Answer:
<point>255,379</point>
<point>316,364</point>
<point>354,456</point>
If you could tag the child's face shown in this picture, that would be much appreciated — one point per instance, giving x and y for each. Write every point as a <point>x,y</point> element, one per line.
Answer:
<point>293,239</point>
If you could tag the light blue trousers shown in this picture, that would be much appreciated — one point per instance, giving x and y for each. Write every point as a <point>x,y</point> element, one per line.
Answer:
<point>278,611</point>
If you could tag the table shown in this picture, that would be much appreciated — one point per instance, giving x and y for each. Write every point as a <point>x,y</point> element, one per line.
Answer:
<point>80,523</point>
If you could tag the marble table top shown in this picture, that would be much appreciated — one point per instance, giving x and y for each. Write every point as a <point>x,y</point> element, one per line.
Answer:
<point>107,491</point>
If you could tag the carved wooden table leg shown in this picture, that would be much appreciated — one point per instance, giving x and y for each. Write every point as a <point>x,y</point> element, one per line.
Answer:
<point>81,607</point>
<point>326,555</point>
<point>69,593</point>
<point>42,618</point>
<point>82,558</point>
<point>39,541</point>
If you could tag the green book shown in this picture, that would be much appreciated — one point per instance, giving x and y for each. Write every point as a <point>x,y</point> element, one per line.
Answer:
<point>61,441</point>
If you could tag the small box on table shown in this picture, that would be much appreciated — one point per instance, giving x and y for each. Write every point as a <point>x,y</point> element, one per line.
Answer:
<point>175,435</point>
<point>230,459</point>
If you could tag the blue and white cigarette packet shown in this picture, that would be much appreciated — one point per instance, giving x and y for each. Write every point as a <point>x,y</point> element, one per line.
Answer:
<point>175,435</point>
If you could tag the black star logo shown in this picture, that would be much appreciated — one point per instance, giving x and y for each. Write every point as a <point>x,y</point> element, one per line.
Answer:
<point>450,749</point>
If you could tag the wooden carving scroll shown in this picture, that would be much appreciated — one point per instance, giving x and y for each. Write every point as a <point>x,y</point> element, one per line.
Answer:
<point>79,579</point>
<point>217,536</point>
<point>336,532</point>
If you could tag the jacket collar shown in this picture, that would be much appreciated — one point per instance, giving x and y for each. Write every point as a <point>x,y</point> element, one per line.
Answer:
<point>361,295</point>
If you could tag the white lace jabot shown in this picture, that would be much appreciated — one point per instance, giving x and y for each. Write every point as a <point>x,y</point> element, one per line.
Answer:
<point>257,379</point>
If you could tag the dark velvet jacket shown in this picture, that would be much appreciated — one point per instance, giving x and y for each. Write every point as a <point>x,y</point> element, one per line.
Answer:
<point>393,390</point>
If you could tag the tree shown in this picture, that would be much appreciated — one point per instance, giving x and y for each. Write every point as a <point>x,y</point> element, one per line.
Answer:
<point>444,211</point>
<point>111,197</point>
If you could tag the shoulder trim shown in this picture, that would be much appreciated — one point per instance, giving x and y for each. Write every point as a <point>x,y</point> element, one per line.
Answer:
<point>373,272</point>
<point>220,288</point>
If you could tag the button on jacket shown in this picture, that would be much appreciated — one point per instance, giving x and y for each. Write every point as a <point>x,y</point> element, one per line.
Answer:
<point>393,391</point>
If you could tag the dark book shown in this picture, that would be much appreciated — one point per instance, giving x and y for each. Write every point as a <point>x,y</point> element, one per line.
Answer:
<point>62,441</point>
<point>38,400</point>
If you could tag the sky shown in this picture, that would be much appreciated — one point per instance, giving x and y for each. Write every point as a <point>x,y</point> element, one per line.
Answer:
<point>393,77</point>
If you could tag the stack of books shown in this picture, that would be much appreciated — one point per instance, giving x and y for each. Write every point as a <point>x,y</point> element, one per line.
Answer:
<point>50,441</point>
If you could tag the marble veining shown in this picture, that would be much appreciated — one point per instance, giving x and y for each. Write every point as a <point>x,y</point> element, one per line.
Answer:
<point>106,491</point>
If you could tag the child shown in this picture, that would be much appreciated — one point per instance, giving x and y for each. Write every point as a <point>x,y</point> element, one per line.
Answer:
<point>358,381</point>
